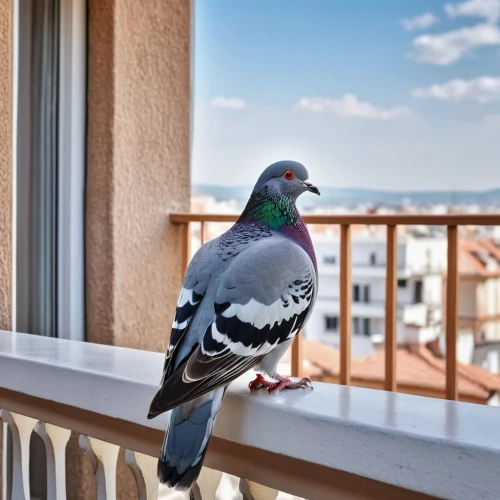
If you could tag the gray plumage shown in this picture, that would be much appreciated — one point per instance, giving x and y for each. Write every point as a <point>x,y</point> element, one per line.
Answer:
<point>245,296</point>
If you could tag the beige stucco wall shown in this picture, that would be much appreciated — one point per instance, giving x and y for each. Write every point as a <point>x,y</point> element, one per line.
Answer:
<point>137,172</point>
<point>5,166</point>
<point>138,167</point>
<point>5,173</point>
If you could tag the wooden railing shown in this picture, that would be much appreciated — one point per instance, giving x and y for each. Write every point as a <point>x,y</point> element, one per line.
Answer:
<point>391,222</point>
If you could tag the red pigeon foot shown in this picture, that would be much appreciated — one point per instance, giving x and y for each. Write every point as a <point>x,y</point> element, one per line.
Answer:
<point>278,383</point>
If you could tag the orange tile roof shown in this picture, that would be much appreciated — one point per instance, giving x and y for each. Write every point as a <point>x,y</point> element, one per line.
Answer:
<point>417,368</point>
<point>468,261</point>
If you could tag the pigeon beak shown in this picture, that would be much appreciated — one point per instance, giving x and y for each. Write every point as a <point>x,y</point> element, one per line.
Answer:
<point>311,187</point>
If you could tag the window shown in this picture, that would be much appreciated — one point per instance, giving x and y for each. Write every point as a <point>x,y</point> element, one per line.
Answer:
<point>373,259</point>
<point>49,145</point>
<point>417,292</point>
<point>401,283</point>
<point>361,326</point>
<point>366,294</point>
<point>331,323</point>
<point>356,295</point>
<point>366,327</point>
<point>355,326</point>
<point>330,259</point>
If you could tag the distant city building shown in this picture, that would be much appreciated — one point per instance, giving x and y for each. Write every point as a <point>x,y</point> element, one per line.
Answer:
<point>418,371</point>
<point>479,294</point>
<point>421,280</point>
<point>421,261</point>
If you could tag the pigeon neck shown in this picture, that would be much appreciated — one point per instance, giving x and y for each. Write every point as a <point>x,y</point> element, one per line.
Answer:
<point>274,211</point>
<point>278,213</point>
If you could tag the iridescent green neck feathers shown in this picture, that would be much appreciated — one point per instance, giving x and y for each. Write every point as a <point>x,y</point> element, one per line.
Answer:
<point>273,211</point>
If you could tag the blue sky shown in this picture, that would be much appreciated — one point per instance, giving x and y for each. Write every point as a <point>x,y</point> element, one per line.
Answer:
<point>379,94</point>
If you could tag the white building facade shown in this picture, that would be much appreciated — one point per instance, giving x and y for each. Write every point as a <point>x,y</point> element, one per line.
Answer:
<point>421,262</point>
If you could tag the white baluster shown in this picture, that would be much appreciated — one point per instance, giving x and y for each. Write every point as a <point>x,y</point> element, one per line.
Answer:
<point>206,486</point>
<point>21,428</point>
<point>3,451</point>
<point>55,439</point>
<point>144,469</point>
<point>104,457</point>
<point>255,491</point>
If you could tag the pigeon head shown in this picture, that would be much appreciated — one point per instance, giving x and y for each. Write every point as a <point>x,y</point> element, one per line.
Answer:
<point>285,178</point>
<point>273,198</point>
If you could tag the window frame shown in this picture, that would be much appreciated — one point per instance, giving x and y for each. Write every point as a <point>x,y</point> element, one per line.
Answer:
<point>335,320</point>
<point>69,247</point>
<point>72,166</point>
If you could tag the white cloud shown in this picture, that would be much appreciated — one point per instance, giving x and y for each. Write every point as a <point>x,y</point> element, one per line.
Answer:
<point>487,9</point>
<point>481,89</point>
<point>349,106</point>
<point>421,22</point>
<point>228,102</point>
<point>492,120</point>
<point>385,154</point>
<point>448,48</point>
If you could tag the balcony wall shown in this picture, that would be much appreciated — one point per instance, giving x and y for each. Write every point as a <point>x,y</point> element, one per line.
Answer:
<point>5,171</point>
<point>5,164</point>
<point>138,167</point>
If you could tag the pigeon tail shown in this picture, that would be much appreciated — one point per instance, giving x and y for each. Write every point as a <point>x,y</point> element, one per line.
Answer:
<point>186,440</point>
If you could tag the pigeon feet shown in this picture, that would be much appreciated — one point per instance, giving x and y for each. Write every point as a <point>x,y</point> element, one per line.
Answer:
<point>278,383</point>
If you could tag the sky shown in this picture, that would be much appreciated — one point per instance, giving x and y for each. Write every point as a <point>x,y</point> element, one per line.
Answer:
<point>384,94</point>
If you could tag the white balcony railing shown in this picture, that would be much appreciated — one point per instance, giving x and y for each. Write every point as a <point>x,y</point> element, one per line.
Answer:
<point>330,442</point>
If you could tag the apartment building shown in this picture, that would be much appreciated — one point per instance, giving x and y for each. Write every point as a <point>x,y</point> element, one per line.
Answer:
<point>421,261</point>
<point>479,302</point>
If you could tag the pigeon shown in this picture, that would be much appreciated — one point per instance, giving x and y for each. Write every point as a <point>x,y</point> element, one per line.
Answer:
<point>245,296</point>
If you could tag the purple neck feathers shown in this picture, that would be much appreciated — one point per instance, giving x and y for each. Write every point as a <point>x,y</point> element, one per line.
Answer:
<point>299,234</point>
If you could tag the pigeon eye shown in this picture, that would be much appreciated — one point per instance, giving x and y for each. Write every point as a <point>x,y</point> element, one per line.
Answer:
<point>289,175</point>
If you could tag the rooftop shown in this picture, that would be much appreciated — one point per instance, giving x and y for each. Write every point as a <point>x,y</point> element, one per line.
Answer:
<point>418,370</point>
<point>479,257</point>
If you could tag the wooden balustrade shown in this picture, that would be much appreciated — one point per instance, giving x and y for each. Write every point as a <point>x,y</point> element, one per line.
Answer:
<point>345,304</point>
<point>452,314</point>
<point>391,309</point>
<point>391,222</point>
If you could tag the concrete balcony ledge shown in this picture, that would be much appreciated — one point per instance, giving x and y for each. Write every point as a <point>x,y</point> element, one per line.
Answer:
<point>317,443</point>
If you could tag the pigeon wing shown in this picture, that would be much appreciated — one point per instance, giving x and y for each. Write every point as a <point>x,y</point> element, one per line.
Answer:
<point>264,298</point>
<point>194,287</point>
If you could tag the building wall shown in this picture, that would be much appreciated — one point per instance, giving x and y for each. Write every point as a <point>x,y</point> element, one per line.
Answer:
<point>5,165</point>
<point>412,253</point>
<point>487,308</point>
<point>482,298</point>
<point>490,306</point>
<point>491,330</point>
<point>138,167</point>
<point>424,254</point>
<point>433,289</point>
<point>5,173</point>
<point>468,299</point>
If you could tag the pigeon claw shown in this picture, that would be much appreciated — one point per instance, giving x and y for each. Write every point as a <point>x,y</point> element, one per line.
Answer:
<point>278,383</point>
<point>259,382</point>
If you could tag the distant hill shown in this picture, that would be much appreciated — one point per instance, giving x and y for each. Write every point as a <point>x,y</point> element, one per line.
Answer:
<point>332,196</point>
